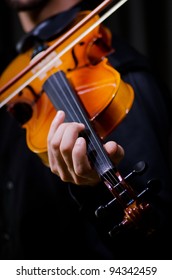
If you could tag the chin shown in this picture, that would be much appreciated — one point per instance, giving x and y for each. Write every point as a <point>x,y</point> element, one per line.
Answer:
<point>25,5</point>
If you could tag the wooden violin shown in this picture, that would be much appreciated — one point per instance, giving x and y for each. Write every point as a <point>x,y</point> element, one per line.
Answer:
<point>85,64</point>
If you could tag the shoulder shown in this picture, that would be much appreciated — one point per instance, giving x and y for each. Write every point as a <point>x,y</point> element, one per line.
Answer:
<point>136,69</point>
<point>126,58</point>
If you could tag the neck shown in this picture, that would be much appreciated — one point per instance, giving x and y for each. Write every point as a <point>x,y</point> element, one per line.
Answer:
<point>30,19</point>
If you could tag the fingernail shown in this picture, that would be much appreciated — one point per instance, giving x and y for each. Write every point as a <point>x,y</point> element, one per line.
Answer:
<point>80,141</point>
<point>59,114</point>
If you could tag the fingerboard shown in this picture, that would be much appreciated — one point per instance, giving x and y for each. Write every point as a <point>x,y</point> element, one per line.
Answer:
<point>63,96</point>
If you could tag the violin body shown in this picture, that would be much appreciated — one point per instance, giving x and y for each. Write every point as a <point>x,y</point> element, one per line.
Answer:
<point>106,98</point>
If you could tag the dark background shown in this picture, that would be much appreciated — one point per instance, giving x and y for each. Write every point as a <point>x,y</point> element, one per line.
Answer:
<point>145,24</point>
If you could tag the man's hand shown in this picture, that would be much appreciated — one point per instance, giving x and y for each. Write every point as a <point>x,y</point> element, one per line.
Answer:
<point>68,156</point>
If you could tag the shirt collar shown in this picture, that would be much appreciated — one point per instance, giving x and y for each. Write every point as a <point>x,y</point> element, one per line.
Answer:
<point>48,29</point>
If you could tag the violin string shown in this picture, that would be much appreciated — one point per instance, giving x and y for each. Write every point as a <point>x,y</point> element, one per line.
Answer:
<point>70,110</point>
<point>110,177</point>
<point>52,62</point>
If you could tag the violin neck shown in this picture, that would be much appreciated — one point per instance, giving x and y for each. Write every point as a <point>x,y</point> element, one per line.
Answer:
<point>64,97</point>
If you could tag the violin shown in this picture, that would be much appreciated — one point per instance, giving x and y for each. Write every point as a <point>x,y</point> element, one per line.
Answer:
<point>24,95</point>
<point>72,73</point>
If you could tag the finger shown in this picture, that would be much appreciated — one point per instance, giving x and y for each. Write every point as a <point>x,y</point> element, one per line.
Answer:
<point>115,151</point>
<point>53,143</point>
<point>60,143</point>
<point>81,164</point>
<point>59,119</point>
<point>69,138</point>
